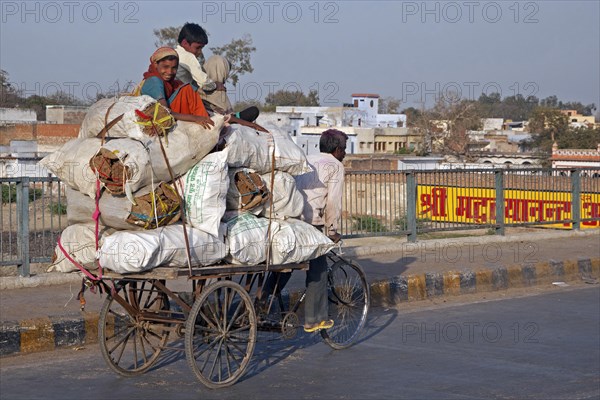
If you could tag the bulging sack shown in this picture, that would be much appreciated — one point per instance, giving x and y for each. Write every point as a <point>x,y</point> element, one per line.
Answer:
<point>296,241</point>
<point>288,201</point>
<point>126,165</point>
<point>134,123</point>
<point>152,205</point>
<point>253,149</point>
<point>79,241</point>
<point>248,238</point>
<point>204,190</point>
<point>128,251</point>
<point>71,164</point>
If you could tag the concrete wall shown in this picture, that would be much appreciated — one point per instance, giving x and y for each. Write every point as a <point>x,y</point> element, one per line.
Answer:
<point>65,114</point>
<point>17,115</point>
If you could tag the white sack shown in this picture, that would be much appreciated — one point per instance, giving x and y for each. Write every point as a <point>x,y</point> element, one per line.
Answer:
<point>187,144</point>
<point>114,209</point>
<point>95,119</point>
<point>296,241</point>
<point>253,149</point>
<point>288,201</point>
<point>204,190</point>
<point>247,238</point>
<point>128,251</point>
<point>71,163</point>
<point>79,241</point>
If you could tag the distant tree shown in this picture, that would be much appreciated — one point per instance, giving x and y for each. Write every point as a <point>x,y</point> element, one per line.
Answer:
<point>167,36</point>
<point>579,107</point>
<point>241,105</point>
<point>458,117</point>
<point>515,108</point>
<point>292,98</point>
<point>238,53</point>
<point>389,105</point>
<point>550,102</point>
<point>9,96</point>
<point>548,120</point>
<point>579,138</point>
<point>413,116</point>
<point>39,103</point>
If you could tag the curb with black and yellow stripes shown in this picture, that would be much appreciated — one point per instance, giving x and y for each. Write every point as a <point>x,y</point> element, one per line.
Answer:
<point>48,333</point>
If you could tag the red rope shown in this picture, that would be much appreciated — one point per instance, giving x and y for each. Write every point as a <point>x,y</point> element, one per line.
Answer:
<point>96,217</point>
<point>81,268</point>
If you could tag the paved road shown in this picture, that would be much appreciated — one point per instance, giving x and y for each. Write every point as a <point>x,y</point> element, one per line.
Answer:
<point>545,346</point>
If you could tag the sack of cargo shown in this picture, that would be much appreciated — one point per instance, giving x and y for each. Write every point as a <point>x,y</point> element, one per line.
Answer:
<point>161,206</point>
<point>247,238</point>
<point>296,241</point>
<point>126,165</point>
<point>79,242</point>
<point>204,190</point>
<point>253,149</point>
<point>128,251</point>
<point>137,117</point>
<point>247,191</point>
<point>71,164</point>
<point>158,205</point>
<point>288,201</point>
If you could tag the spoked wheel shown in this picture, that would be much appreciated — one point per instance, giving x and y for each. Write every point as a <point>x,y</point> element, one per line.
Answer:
<point>220,334</point>
<point>349,299</point>
<point>129,341</point>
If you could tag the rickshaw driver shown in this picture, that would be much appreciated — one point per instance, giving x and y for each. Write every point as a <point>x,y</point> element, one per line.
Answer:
<point>322,190</point>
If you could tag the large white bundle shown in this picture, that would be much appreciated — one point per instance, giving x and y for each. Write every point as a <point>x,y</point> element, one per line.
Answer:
<point>248,237</point>
<point>128,251</point>
<point>296,241</point>
<point>79,241</point>
<point>253,149</point>
<point>128,126</point>
<point>187,144</point>
<point>204,190</point>
<point>288,201</point>
<point>114,210</point>
<point>119,213</point>
<point>71,163</point>
<point>144,161</point>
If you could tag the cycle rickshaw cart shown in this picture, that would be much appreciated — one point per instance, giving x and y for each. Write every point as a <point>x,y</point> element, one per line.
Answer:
<point>217,319</point>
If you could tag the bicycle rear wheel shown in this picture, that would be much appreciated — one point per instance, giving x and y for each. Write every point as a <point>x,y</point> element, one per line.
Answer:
<point>349,299</point>
<point>130,341</point>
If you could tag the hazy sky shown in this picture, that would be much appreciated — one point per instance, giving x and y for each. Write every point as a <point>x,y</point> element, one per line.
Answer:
<point>411,50</point>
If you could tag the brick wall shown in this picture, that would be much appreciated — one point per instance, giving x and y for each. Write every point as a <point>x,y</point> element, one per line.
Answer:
<point>43,133</point>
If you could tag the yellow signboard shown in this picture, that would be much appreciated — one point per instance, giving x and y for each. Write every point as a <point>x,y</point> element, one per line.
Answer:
<point>478,206</point>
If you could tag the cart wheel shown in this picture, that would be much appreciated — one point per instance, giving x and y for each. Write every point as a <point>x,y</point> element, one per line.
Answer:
<point>349,300</point>
<point>130,343</point>
<point>220,334</point>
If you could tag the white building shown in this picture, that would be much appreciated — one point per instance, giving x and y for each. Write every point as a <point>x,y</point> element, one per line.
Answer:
<point>576,158</point>
<point>305,124</point>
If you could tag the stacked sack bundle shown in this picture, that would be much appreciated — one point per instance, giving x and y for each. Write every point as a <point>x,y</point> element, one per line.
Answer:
<point>241,204</point>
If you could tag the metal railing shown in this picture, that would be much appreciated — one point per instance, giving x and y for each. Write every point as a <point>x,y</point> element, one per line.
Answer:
<point>375,203</point>
<point>32,216</point>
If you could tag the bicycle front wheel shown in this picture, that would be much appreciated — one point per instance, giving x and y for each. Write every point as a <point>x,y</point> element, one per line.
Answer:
<point>349,299</point>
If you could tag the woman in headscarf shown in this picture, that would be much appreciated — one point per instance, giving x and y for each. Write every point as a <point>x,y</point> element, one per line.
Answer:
<point>160,83</point>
